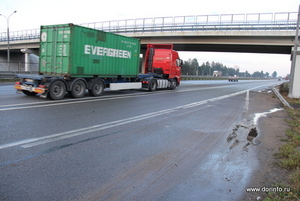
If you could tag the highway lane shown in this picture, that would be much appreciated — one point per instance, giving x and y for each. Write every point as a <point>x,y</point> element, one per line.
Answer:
<point>126,145</point>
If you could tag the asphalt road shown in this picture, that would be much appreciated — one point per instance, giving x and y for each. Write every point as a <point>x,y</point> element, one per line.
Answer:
<point>127,145</point>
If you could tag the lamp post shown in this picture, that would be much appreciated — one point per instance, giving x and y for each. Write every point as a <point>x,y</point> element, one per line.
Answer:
<point>8,53</point>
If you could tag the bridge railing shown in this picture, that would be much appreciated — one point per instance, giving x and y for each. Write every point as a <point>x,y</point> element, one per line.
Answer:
<point>223,22</point>
<point>21,35</point>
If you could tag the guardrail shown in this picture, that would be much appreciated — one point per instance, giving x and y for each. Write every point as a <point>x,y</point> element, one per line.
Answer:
<point>17,68</point>
<point>7,75</point>
<point>223,22</point>
<point>12,74</point>
<point>281,98</point>
<point>210,77</point>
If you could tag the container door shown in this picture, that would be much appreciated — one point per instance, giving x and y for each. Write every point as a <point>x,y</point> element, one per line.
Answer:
<point>55,50</point>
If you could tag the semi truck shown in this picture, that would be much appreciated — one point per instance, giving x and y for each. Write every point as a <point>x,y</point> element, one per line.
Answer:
<point>217,73</point>
<point>74,59</point>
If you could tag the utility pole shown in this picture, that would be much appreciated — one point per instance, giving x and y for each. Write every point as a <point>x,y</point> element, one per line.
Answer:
<point>8,48</point>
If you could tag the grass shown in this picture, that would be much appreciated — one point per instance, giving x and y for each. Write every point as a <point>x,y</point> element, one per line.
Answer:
<point>8,80</point>
<point>289,152</point>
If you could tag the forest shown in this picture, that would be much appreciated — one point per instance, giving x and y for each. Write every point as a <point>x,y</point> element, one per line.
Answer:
<point>192,67</point>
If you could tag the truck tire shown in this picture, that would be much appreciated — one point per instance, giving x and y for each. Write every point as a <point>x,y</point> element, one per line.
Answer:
<point>152,85</point>
<point>57,90</point>
<point>173,84</point>
<point>97,88</point>
<point>78,89</point>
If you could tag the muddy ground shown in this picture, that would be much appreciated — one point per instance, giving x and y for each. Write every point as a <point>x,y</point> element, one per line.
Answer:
<point>271,131</point>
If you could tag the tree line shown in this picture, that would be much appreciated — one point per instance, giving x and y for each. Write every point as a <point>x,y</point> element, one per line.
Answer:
<point>192,67</point>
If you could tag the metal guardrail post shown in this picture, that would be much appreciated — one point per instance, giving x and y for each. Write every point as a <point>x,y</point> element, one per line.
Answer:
<point>281,98</point>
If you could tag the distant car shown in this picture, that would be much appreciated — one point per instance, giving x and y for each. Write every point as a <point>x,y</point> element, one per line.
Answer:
<point>233,78</point>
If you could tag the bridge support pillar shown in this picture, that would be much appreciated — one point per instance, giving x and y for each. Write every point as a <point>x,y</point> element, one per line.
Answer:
<point>294,91</point>
<point>27,58</point>
<point>27,62</point>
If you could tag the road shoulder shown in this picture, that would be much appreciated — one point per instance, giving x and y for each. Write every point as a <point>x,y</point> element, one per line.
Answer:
<point>271,129</point>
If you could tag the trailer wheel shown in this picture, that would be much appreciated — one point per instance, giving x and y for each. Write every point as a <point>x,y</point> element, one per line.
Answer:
<point>78,89</point>
<point>97,88</point>
<point>152,85</point>
<point>28,93</point>
<point>57,90</point>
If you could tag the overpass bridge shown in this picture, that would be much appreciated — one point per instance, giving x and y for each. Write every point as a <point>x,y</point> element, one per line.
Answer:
<point>251,33</point>
<point>254,32</point>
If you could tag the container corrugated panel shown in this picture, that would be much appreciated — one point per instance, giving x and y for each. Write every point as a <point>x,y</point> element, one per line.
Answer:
<point>76,51</point>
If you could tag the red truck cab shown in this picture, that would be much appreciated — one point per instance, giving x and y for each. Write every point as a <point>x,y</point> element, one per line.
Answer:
<point>162,60</point>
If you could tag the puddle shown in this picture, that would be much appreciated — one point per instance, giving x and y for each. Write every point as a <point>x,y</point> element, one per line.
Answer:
<point>265,91</point>
<point>238,135</point>
<point>263,114</point>
<point>234,132</point>
<point>252,134</point>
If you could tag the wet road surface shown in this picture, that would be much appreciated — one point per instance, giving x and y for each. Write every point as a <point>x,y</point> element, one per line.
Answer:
<point>130,145</point>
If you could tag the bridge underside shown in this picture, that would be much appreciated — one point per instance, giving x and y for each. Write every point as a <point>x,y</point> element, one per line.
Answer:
<point>234,48</point>
<point>243,43</point>
<point>276,49</point>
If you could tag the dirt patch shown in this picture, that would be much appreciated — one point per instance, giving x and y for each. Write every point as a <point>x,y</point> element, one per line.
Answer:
<point>269,132</point>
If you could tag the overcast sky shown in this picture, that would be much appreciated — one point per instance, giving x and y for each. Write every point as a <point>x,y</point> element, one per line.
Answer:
<point>32,14</point>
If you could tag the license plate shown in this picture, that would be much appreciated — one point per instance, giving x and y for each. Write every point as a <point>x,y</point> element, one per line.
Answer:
<point>27,88</point>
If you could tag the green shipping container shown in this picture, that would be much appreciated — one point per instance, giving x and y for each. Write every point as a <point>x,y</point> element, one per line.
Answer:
<point>75,51</point>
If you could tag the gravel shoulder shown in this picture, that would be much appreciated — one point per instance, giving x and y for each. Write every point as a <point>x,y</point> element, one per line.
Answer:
<point>271,131</point>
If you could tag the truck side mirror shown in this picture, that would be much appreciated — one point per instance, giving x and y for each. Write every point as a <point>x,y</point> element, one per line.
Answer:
<point>179,62</point>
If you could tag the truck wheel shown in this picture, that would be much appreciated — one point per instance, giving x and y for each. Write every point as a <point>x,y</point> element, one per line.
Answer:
<point>97,88</point>
<point>78,89</point>
<point>28,93</point>
<point>172,84</point>
<point>57,90</point>
<point>152,85</point>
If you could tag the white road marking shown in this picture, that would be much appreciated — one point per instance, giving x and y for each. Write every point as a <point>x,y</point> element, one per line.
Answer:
<point>246,107</point>
<point>55,137</point>
<point>50,103</point>
<point>69,134</point>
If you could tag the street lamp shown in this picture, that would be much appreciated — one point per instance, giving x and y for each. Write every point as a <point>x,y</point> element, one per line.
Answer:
<point>8,56</point>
